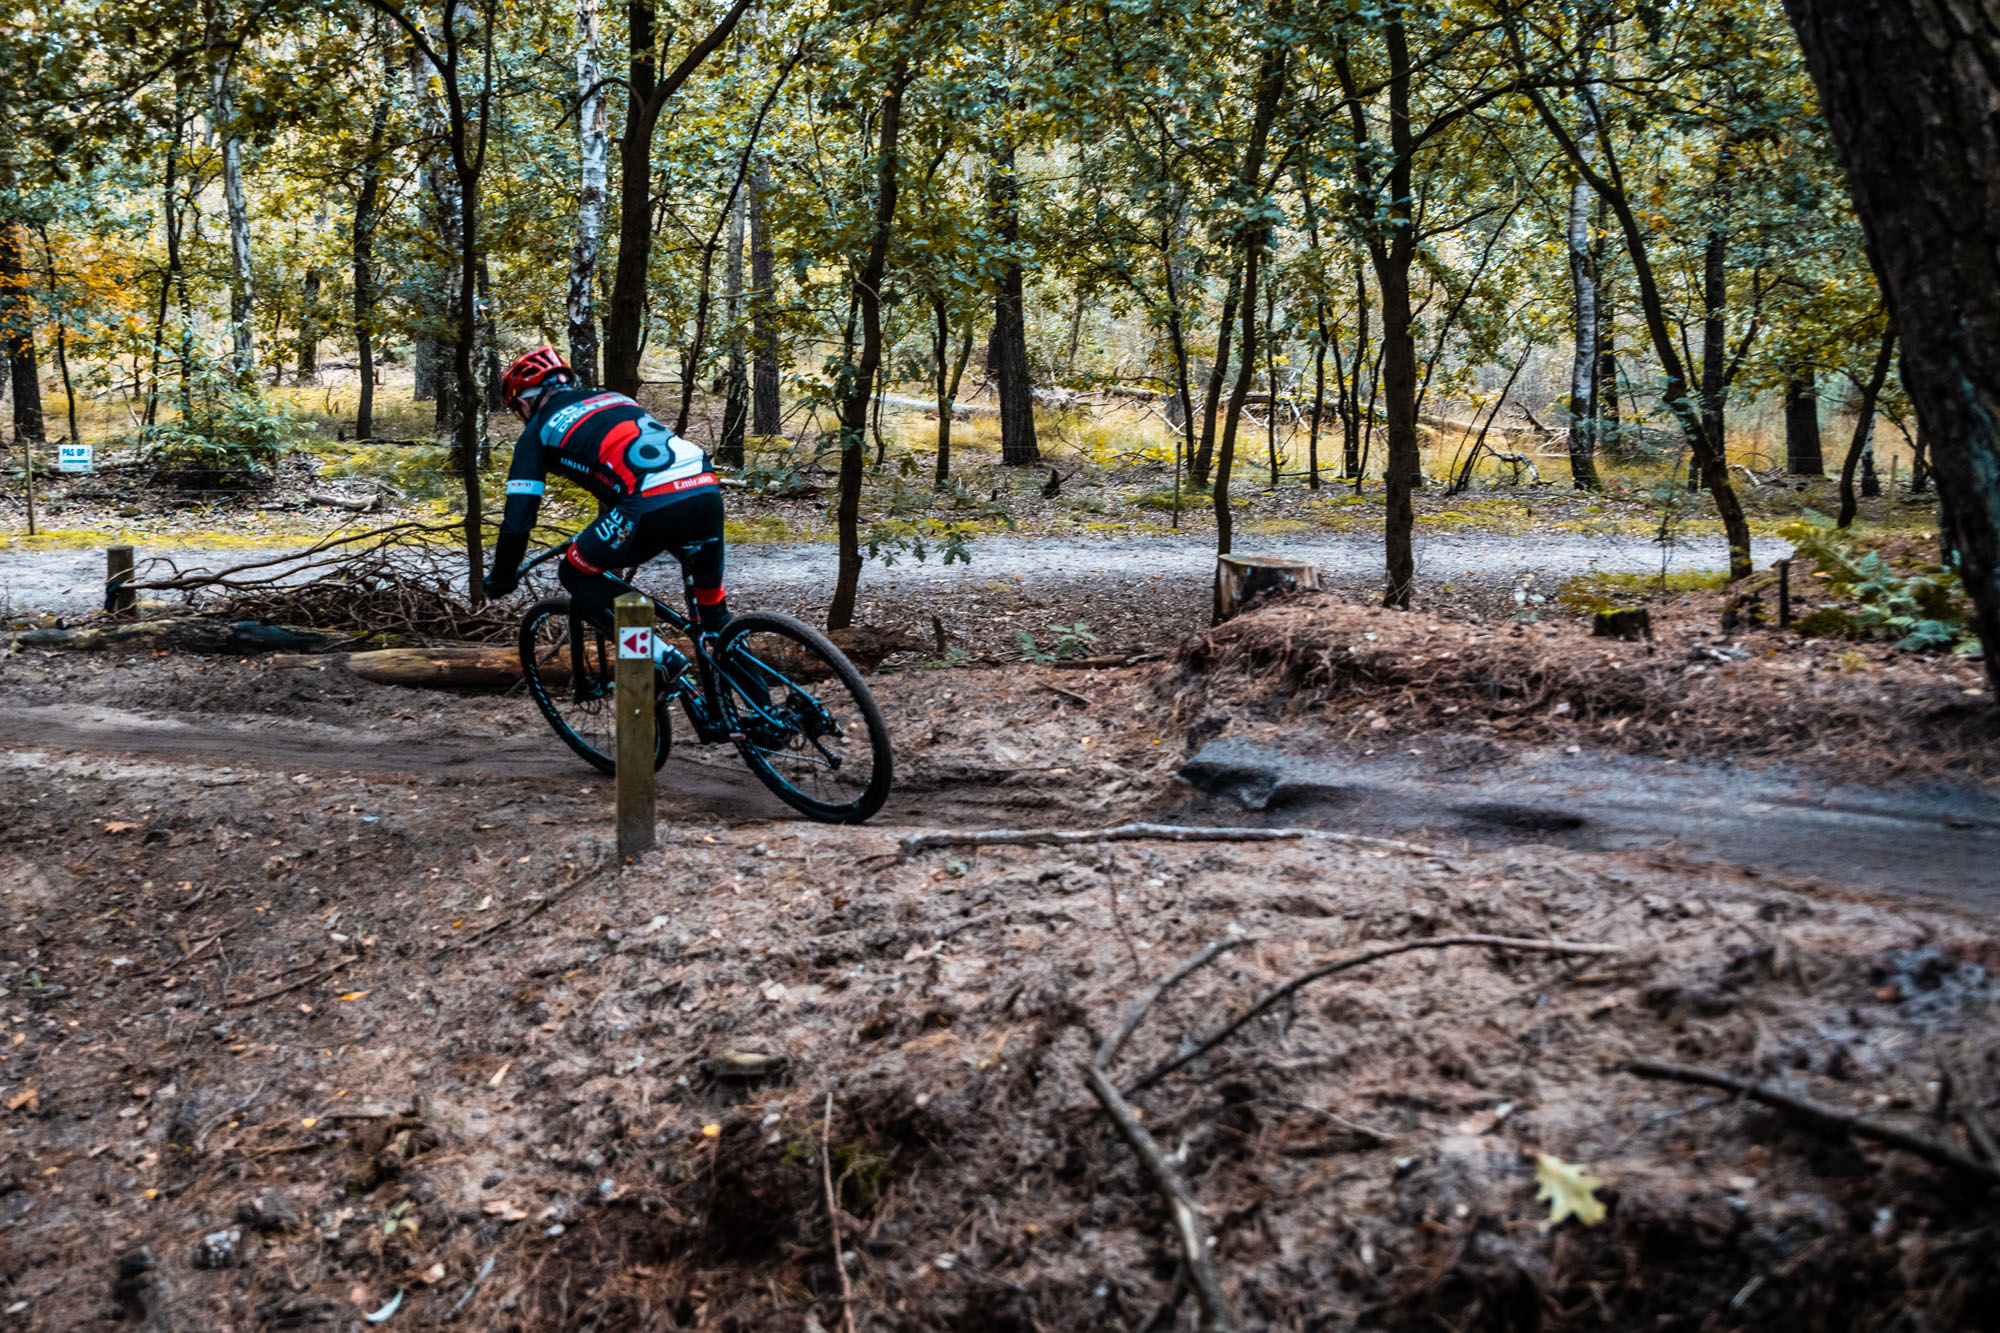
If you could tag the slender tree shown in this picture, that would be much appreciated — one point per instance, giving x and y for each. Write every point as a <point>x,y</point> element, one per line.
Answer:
<point>646,96</point>
<point>593,143</point>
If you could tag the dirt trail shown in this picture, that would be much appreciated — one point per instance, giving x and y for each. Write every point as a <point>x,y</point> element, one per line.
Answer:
<point>322,995</point>
<point>1937,841</point>
<point>69,582</point>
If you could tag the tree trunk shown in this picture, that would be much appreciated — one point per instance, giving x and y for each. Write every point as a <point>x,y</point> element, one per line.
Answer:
<point>62,335</point>
<point>1583,364</point>
<point>171,220</point>
<point>1583,282</point>
<point>1708,454</point>
<point>489,346</point>
<point>766,412</point>
<point>736,398</point>
<point>17,329</point>
<point>950,373</point>
<point>635,205</point>
<point>1802,448</point>
<point>645,95</point>
<point>367,200</point>
<point>1271,379</point>
<point>1353,461</point>
<point>1319,346</point>
<point>860,388</point>
<point>1204,453</point>
<point>1255,236</point>
<point>437,354</point>
<point>1714,335</point>
<point>309,312</point>
<point>242,295</point>
<point>1604,402</point>
<point>1393,257</point>
<point>1864,428</point>
<point>593,130</point>
<point>1908,88</point>
<point>1010,330</point>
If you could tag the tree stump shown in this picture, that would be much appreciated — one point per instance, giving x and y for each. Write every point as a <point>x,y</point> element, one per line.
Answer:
<point>1240,578</point>
<point>1631,624</point>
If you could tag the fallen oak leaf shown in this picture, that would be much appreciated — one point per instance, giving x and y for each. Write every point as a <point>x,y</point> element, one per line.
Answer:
<point>120,826</point>
<point>1567,1191</point>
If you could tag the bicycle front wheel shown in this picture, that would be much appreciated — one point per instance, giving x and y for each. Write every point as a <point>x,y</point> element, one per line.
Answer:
<point>571,671</point>
<point>811,731</point>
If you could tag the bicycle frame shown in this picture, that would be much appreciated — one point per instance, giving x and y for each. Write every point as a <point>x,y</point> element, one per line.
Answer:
<point>712,713</point>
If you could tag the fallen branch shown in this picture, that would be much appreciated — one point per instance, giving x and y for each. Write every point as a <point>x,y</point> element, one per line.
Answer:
<point>833,1215</point>
<point>917,843</point>
<point>289,987</point>
<point>1137,1013</point>
<point>1373,953</point>
<point>1216,1316</point>
<point>1822,1117</point>
<point>508,923</point>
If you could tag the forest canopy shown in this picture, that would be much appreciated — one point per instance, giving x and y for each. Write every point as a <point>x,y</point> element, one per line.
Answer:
<point>1361,213</point>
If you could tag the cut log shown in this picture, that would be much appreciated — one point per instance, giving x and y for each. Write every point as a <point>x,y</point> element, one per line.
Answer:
<point>1241,578</point>
<point>360,504</point>
<point>1632,623</point>
<point>462,666</point>
<point>177,634</point>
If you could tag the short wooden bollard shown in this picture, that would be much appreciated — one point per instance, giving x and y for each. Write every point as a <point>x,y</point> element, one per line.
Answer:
<point>117,574</point>
<point>636,741</point>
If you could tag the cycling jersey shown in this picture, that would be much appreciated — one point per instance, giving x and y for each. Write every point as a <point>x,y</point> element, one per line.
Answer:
<point>607,444</point>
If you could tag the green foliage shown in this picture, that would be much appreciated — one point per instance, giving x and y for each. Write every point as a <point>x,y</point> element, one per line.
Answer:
<point>230,433</point>
<point>1919,609</point>
<point>895,537</point>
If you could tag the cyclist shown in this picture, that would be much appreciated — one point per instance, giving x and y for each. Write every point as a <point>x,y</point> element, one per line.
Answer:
<point>654,490</point>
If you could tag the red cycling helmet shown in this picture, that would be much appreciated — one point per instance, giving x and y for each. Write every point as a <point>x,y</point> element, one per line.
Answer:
<point>533,371</point>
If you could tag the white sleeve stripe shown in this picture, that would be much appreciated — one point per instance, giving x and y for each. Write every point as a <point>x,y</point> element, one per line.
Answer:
<point>525,487</point>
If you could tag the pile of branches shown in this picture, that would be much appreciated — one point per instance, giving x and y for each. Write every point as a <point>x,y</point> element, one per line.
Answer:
<point>1679,695</point>
<point>404,581</point>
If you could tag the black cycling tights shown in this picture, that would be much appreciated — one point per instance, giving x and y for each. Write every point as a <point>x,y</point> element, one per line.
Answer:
<point>689,529</point>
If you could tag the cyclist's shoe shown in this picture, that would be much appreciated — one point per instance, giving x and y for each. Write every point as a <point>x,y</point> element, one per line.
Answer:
<point>669,665</point>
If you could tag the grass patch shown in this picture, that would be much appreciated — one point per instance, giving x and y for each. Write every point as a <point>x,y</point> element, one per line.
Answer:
<point>84,539</point>
<point>1162,499</point>
<point>1589,593</point>
<point>762,528</point>
<point>1275,527</point>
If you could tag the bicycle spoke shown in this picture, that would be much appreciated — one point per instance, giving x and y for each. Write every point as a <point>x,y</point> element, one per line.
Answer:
<point>813,740</point>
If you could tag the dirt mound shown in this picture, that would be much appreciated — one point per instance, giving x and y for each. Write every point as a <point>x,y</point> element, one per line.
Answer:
<point>1763,695</point>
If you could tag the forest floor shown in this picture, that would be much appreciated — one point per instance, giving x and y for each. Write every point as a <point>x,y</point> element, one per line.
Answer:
<point>324,996</point>
<point>323,999</point>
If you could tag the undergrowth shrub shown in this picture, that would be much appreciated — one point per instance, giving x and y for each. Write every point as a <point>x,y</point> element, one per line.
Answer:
<point>1920,607</point>
<point>229,434</point>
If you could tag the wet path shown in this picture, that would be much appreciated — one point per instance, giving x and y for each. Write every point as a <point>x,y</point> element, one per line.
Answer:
<point>1939,841</point>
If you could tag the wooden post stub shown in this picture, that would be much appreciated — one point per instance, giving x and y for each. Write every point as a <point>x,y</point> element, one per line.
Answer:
<point>118,571</point>
<point>636,741</point>
<point>1784,594</point>
<point>1238,578</point>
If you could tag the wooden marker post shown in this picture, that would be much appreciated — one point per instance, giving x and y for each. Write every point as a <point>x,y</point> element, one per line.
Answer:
<point>636,741</point>
<point>118,569</point>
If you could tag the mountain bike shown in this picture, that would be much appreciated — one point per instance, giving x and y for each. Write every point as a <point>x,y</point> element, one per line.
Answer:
<point>792,704</point>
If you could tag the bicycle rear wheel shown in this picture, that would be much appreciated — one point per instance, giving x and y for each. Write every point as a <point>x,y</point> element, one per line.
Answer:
<point>812,732</point>
<point>570,668</point>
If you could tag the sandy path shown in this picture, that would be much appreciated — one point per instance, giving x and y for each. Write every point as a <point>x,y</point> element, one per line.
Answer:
<point>68,581</point>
